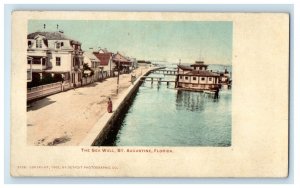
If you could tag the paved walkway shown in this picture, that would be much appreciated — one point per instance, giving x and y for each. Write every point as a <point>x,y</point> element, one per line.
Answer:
<point>65,118</point>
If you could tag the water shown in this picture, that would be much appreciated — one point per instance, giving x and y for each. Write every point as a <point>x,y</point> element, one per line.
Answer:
<point>162,116</point>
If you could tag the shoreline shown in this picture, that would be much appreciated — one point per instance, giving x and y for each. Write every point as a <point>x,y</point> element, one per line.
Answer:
<point>103,126</point>
<point>66,118</point>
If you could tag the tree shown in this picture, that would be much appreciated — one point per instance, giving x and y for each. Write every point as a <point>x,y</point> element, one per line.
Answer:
<point>86,67</point>
<point>58,78</point>
<point>47,78</point>
<point>36,79</point>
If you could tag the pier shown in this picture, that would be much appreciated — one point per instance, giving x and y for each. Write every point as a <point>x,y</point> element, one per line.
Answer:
<point>153,79</point>
<point>165,72</point>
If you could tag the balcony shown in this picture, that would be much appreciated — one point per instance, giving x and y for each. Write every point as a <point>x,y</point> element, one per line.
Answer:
<point>37,66</point>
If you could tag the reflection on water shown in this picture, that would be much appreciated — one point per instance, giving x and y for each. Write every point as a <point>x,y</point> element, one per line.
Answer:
<point>191,101</point>
<point>162,116</point>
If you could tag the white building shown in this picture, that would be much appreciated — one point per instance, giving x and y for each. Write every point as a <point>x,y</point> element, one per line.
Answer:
<point>196,77</point>
<point>106,66</point>
<point>53,52</point>
<point>94,63</point>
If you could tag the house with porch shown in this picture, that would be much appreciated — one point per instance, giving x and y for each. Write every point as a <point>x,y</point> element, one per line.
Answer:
<point>123,64</point>
<point>54,53</point>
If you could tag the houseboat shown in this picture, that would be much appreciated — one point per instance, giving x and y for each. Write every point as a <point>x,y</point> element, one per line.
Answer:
<point>196,77</point>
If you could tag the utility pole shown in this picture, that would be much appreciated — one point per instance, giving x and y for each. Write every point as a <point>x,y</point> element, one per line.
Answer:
<point>118,76</point>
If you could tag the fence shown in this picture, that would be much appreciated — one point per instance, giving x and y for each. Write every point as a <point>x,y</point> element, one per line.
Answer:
<point>49,89</point>
<point>87,80</point>
<point>44,90</point>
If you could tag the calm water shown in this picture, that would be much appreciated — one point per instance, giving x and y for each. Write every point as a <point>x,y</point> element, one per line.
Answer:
<point>162,116</point>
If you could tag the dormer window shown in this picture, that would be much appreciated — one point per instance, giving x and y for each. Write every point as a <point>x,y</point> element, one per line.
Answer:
<point>39,43</point>
<point>57,45</point>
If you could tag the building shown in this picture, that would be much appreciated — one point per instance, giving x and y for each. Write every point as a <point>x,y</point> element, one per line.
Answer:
<point>93,63</point>
<point>143,63</point>
<point>106,65</point>
<point>134,63</point>
<point>196,77</point>
<point>55,53</point>
<point>182,69</point>
<point>225,78</point>
<point>199,65</point>
<point>123,64</point>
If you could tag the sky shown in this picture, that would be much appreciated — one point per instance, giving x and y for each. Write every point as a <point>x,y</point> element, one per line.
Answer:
<point>189,41</point>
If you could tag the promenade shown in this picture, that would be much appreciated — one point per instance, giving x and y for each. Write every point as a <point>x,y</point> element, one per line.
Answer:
<point>66,118</point>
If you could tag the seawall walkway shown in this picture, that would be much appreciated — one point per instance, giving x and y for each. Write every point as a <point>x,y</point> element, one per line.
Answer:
<point>101,129</point>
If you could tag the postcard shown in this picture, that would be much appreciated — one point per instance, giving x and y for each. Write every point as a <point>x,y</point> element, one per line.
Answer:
<point>149,94</point>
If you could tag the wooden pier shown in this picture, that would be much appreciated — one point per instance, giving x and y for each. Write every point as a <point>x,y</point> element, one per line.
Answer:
<point>159,80</point>
<point>165,72</point>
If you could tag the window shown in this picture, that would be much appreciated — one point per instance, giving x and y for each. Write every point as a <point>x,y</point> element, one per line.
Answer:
<point>194,78</point>
<point>36,61</point>
<point>29,43</point>
<point>57,61</point>
<point>202,78</point>
<point>57,45</point>
<point>79,77</point>
<point>180,77</point>
<point>28,62</point>
<point>77,63</point>
<point>61,44</point>
<point>38,43</point>
<point>186,77</point>
<point>209,79</point>
<point>43,61</point>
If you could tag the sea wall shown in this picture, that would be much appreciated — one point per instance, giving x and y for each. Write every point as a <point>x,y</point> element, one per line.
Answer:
<point>108,121</point>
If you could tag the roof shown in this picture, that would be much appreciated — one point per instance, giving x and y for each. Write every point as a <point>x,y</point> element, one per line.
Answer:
<point>104,50</point>
<point>198,65</point>
<point>201,73</point>
<point>103,57</point>
<point>184,67</point>
<point>51,36</point>
<point>91,56</point>
<point>120,58</point>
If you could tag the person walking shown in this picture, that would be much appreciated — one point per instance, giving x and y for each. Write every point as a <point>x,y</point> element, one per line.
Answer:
<point>109,106</point>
